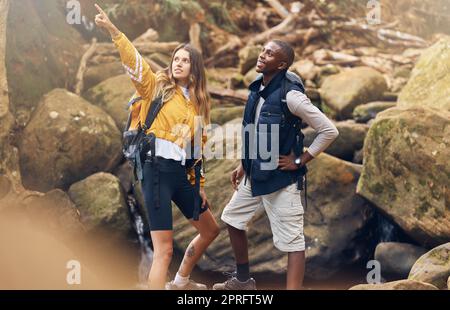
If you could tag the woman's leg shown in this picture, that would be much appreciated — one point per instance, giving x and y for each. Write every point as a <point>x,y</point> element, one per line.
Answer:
<point>208,230</point>
<point>162,256</point>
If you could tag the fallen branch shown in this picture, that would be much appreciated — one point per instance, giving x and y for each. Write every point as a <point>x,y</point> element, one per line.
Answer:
<point>83,64</point>
<point>233,45</point>
<point>284,27</point>
<point>302,36</point>
<point>149,36</point>
<point>389,36</point>
<point>239,96</point>
<point>278,7</point>
<point>324,57</point>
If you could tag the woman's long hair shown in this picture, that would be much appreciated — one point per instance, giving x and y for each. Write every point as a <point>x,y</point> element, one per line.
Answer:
<point>166,83</point>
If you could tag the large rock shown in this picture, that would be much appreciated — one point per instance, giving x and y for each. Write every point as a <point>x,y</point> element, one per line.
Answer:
<point>397,258</point>
<point>344,91</point>
<point>306,69</point>
<point>101,202</point>
<point>66,140</point>
<point>430,79</point>
<point>112,96</point>
<point>249,77</point>
<point>248,57</point>
<point>351,139</point>
<point>221,116</point>
<point>43,52</point>
<point>335,218</point>
<point>406,171</point>
<point>396,286</point>
<point>365,112</point>
<point>433,267</point>
<point>99,73</point>
<point>57,211</point>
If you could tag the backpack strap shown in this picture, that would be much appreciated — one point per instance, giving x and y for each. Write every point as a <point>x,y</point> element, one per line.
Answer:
<point>130,103</point>
<point>153,111</point>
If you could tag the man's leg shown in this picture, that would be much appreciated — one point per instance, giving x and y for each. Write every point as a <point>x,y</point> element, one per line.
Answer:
<point>238,212</point>
<point>295,270</point>
<point>285,213</point>
<point>238,239</point>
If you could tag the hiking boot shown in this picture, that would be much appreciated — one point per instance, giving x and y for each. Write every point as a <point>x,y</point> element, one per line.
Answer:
<point>191,286</point>
<point>233,284</point>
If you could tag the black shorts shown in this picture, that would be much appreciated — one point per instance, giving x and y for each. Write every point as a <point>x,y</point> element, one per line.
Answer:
<point>173,186</point>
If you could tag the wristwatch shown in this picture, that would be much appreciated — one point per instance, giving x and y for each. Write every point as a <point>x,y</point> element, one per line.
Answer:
<point>298,162</point>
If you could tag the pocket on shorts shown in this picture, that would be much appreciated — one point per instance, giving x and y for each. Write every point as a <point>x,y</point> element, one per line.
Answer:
<point>290,223</point>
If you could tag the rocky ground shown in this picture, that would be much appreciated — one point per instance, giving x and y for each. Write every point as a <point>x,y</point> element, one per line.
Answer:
<point>387,92</point>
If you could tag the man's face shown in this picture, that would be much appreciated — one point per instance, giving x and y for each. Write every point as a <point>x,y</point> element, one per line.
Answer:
<point>271,59</point>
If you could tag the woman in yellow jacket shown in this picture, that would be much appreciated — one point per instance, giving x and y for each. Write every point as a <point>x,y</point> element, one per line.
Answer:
<point>182,87</point>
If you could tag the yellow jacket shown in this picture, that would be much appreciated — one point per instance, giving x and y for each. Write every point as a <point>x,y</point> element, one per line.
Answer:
<point>175,120</point>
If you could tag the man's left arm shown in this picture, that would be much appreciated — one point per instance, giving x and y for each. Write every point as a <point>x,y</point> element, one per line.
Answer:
<point>300,105</point>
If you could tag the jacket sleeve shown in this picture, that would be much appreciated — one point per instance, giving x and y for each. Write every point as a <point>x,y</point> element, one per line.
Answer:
<point>136,67</point>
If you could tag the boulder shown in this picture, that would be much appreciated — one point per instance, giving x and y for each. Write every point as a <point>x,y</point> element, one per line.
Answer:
<point>113,95</point>
<point>66,140</point>
<point>43,52</point>
<point>351,139</point>
<point>406,171</point>
<point>98,73</point>
<point>365,112</point>
<point>57,212</point>
<point>306,69</point>
<point>428,85</point>
<point>248,57</point>
<point>433,267</point>
<point>249,77</point>
<point>397,258</point>
<point>221,116</point>
<point>101,202</point>
<point>344,91</point>
<point>396,286</point>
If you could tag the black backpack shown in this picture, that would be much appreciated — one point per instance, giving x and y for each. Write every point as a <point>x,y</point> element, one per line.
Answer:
<point>136,143</point>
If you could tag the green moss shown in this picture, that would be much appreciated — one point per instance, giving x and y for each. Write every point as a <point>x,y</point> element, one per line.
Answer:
<point>422,209</point>
<point>376,188</point>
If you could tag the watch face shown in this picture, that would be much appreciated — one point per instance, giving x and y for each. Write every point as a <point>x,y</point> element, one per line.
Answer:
<point>297,161</point>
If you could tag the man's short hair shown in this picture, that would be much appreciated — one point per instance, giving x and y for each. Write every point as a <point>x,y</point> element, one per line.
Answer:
<point>287,50</point>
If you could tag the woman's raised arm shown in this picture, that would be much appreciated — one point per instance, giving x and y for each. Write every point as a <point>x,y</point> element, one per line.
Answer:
<point>135,65</point>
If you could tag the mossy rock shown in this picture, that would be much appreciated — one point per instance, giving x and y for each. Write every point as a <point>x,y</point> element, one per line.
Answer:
<point>430,79</point>
<point>101,202</point>
<point>406,171</point>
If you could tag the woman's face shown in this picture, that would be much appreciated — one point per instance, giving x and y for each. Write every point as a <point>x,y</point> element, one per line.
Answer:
<point>181,66</point>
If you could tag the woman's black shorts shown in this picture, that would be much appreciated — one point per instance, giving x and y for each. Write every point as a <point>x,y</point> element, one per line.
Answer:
<point>173,186</point>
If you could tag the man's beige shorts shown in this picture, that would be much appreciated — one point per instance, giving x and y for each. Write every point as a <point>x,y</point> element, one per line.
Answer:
<point>284,209</point>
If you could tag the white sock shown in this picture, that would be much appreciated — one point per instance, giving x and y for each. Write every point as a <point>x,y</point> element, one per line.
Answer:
<point>180,281</point>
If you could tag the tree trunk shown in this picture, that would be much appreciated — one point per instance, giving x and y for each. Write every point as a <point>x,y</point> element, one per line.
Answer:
<point>9,164</point>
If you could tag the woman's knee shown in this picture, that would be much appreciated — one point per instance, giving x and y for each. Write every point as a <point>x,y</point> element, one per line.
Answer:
<point>212,232</point>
